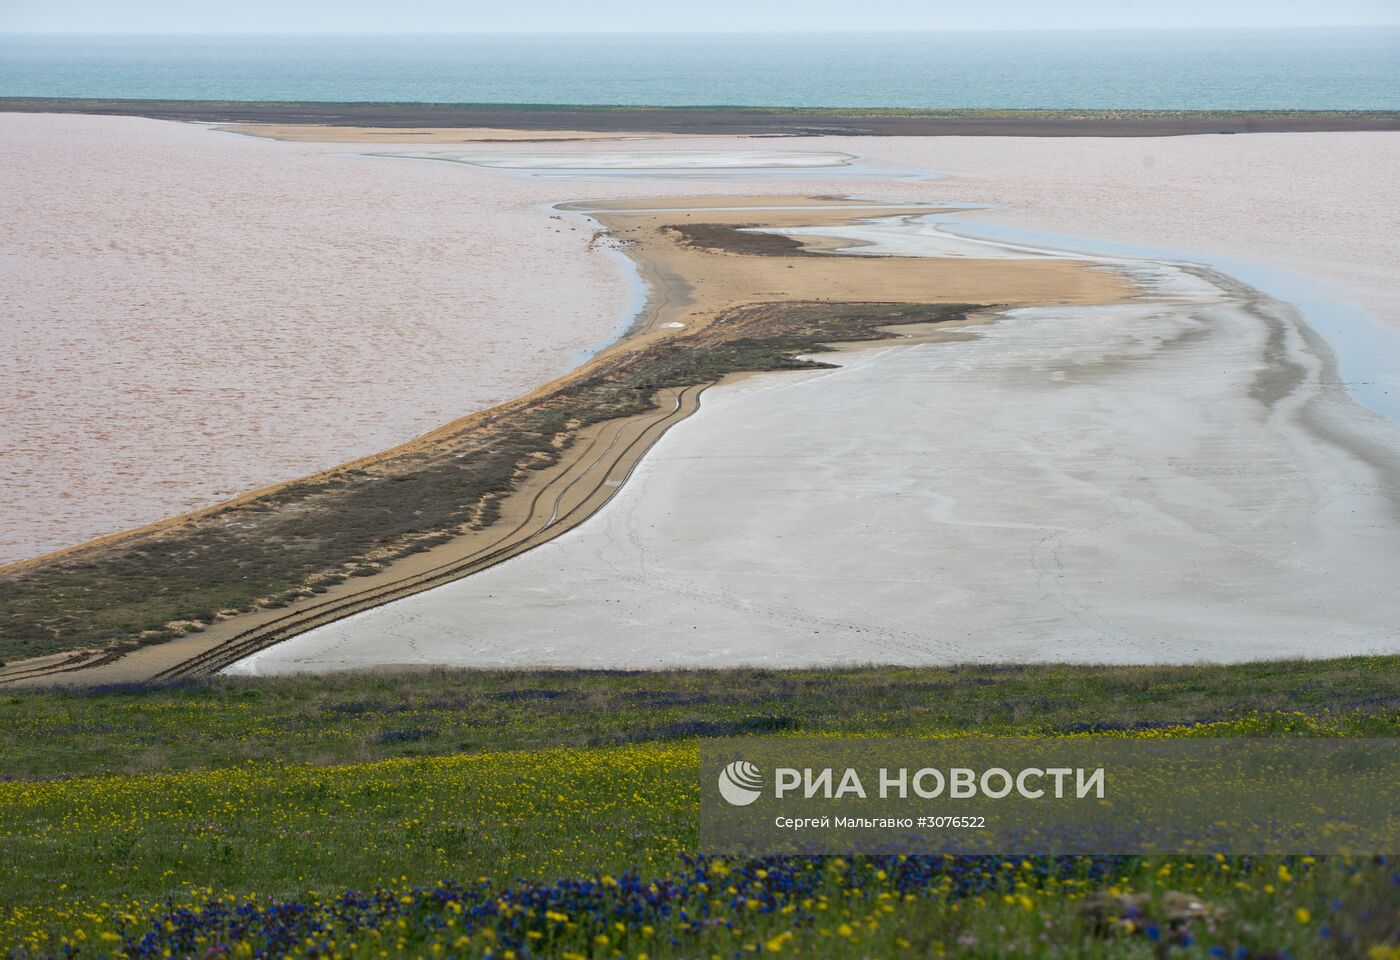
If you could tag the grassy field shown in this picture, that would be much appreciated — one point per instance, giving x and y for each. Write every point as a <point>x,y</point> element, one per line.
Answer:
<point>454,813</point>
<point>357,717</point>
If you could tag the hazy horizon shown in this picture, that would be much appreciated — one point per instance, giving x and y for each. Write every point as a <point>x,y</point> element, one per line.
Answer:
<point>1211,69</point>
<point>439,17</point>
<point>694,33</point>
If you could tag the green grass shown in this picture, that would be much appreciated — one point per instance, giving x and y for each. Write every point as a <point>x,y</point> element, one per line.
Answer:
<point>448,795</point>
<point>283,829</point>
<point>345,718</point>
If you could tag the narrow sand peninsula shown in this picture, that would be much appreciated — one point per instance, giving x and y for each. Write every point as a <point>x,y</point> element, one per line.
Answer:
<point>1172,479</point>
<point>1211,193</point>
<point>708,303</point>
<point>332,326</point>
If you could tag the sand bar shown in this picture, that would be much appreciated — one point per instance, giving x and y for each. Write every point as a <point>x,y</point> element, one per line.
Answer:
<point>694,290</point>
<point>1173,479</point>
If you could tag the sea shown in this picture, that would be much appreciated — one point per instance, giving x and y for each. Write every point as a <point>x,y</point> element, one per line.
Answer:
<point>1263,69</point>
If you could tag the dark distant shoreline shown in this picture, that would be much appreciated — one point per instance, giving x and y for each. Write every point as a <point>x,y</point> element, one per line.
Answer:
<point>748,121</point>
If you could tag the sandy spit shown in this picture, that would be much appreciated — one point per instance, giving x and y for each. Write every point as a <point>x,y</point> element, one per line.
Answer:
<point>690,287</point>
<point>341,305</point>
<point>1168,480</point>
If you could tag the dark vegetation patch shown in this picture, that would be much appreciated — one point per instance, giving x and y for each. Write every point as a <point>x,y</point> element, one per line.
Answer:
<point>734,238</point>
<point>283,545</point>
<point>769,121</point>
<point>411,735</point>
<point>516,696</point>
<point>685,729</point>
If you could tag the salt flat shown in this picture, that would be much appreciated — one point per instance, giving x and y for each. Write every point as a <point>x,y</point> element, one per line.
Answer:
<point>654,159</point>
<point>1173,479</point>
<point>1316,211</point>
<point>237,312</point>
<point>1164,515</point>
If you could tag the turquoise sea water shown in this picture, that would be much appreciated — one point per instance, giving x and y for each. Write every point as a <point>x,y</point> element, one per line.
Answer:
<point>1176,69</point>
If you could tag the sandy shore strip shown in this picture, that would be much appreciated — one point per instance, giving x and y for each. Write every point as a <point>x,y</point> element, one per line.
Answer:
<point>726,121</point>
<point>1163,480</point>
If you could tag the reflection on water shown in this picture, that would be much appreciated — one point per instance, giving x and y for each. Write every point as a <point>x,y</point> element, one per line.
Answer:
<point>1367,353</point>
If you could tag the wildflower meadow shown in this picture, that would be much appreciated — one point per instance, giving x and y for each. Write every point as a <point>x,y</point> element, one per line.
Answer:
<point>460,814</point>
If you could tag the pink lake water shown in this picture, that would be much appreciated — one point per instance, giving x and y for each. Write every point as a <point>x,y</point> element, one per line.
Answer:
<point>190,314</point>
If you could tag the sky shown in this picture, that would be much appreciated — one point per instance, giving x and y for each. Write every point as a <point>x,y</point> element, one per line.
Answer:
<point>598,16</point>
